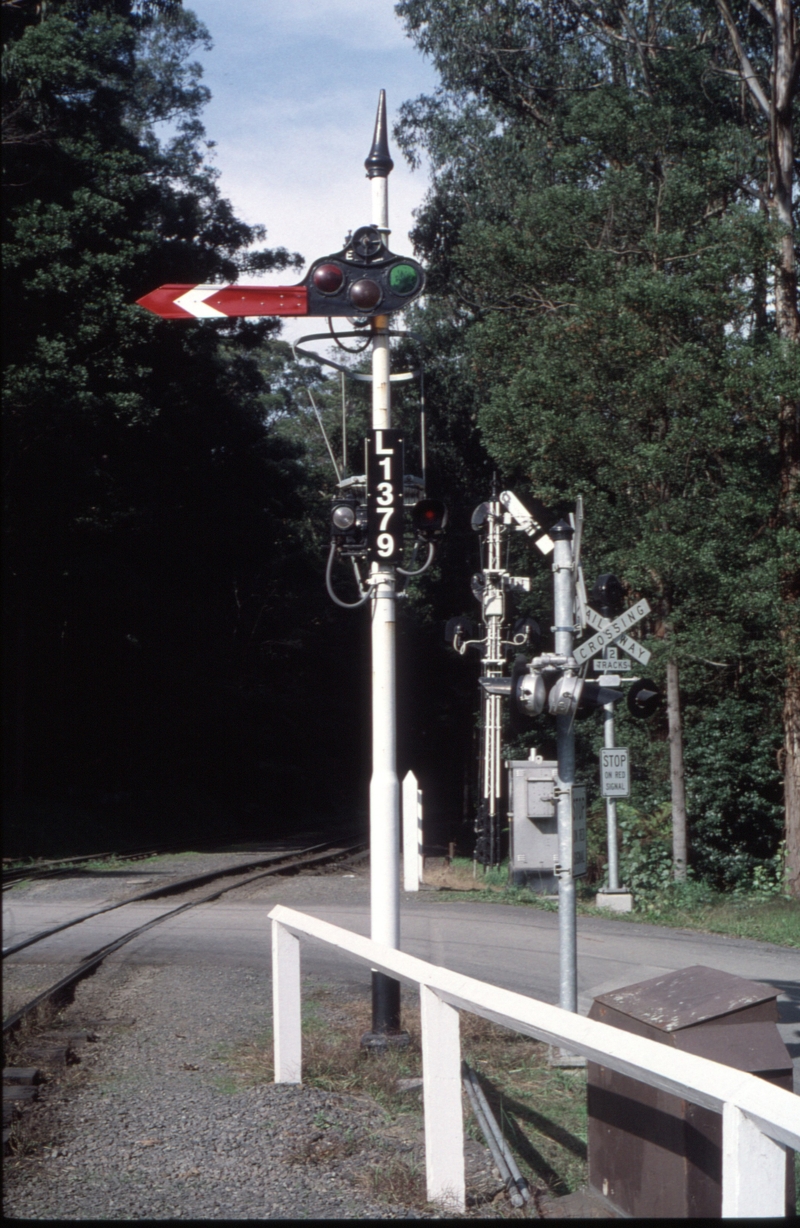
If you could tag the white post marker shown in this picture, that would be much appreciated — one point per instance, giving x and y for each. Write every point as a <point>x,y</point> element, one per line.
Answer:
<point>412,833</point>
<point>444,1122</point>
<point>286,1017</point>
<point>753,1168</point>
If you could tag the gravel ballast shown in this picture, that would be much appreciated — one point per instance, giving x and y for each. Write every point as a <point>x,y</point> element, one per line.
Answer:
<point>157,1121</point>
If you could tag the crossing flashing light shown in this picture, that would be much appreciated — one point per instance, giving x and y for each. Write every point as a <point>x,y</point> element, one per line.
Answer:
<point>644,698</point>
<point>607,595</point>
<point>545,683</point>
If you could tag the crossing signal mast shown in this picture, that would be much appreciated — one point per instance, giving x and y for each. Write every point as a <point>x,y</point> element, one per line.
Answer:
<point>491,587</point>
<point>552,683</point>
<point>364,282</point>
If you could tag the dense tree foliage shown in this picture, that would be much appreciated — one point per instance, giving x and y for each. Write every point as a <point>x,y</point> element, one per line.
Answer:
<point>607,287</point>
<point>163,601</point>
<point>610,315</point>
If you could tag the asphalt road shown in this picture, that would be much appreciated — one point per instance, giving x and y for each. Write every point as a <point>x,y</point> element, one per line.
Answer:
<point>514,947</point>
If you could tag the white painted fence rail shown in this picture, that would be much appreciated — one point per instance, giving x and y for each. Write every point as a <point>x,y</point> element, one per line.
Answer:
<point>759,1120</point>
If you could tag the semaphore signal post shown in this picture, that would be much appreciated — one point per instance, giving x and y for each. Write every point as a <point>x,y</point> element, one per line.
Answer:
<point>364,282</point>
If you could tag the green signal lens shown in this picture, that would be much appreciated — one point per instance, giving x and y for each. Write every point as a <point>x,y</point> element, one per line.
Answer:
<point>403,278</point>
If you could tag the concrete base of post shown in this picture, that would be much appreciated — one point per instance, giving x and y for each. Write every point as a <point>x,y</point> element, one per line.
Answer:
<point>381,1042</point>
<point>617,899</point>
<point>564,1060</point>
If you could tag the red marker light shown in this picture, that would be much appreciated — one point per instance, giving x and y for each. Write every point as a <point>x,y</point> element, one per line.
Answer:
<point>328,278</point>
<point>365,293</point>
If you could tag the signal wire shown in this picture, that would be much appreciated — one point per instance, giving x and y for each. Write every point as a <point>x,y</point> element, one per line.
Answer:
<point>346,605</point>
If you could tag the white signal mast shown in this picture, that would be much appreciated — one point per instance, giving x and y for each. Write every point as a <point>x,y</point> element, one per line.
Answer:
<point>490,586</point>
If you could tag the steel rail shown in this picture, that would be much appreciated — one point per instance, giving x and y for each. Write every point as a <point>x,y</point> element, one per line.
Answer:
<point>64,865</point>
<point>173,888</point>
<point>91,963</point>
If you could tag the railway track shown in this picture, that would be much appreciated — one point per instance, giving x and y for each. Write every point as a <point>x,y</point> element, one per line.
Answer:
<point>65,865</point>
<point>60,866</point>
<point>61,992</point>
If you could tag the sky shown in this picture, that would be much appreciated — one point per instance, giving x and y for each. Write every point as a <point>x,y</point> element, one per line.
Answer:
<point>294,87</point>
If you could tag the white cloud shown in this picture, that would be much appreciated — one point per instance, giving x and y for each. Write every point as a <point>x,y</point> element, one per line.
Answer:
<point>294,90</point>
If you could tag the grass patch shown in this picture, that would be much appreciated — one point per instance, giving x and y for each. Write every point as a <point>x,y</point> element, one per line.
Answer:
<point>542,1110</point>
<point>693,906</point>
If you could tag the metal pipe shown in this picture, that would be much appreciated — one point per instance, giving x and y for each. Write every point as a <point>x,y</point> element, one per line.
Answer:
<point>519,1180</point>
<point>611,805</point>
<point>564,609</point>
<point>488,1134</point>
<point>343,378</point>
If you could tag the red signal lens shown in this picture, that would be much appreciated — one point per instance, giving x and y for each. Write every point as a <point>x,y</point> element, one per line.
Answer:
<point>365,293</point>
<point>328,278</point>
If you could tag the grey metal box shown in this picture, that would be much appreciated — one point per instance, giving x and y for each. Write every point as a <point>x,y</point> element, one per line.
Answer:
<point>533,824</point>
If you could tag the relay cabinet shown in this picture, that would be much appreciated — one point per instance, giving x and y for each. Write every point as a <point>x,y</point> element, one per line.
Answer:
<point>533,823</point>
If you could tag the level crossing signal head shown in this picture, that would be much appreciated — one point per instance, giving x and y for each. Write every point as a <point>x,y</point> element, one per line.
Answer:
<point>644,698</point>
<point>607,595</point>
<point>576,697</point>
<point>429,518</point>
<point>539,685</point>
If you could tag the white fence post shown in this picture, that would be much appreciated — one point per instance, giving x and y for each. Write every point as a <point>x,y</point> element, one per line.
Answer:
<point>412,833</point>
<point>753,1169</point>
<point>444,1123</point>
<point>286,1023</point>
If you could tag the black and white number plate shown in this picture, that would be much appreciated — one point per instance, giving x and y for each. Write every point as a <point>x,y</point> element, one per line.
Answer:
<point>385,496</point>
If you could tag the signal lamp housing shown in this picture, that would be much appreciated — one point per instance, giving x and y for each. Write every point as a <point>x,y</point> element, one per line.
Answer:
<point>328,278</point>
<point>429,517</point>
<point>643,698</point>
<point>458,630</point>
<point>349,525</point>
<point>530,628</point>
<point>574,696</point>
<point>607,596</point>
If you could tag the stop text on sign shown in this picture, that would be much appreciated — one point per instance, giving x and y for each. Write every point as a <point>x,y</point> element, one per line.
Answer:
<point>615,774</point>
<point>385,495</point>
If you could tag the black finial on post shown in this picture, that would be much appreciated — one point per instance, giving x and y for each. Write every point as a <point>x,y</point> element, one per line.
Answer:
<point>379,162</point>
